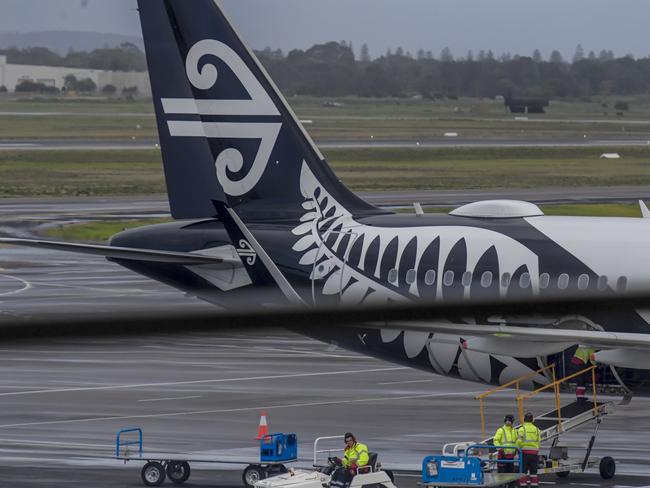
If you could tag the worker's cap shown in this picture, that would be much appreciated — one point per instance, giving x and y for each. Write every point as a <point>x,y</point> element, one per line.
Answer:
<point>509,418</point>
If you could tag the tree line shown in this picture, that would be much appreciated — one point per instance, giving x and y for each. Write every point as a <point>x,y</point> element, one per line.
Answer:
<point>332,69</point>
<point>125,57</point>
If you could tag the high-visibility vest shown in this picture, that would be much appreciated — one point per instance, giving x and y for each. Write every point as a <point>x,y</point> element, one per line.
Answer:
<point>506,436</point>
<point>357,455</point>
<point>582,356</point>
<point>528,437</point>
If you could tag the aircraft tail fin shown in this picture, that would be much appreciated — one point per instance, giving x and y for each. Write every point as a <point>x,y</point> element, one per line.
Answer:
<point>226,132</point>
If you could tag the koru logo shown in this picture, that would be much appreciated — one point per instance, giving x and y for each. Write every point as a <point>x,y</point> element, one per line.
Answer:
<point>245,250</point>
<point>230,160</point>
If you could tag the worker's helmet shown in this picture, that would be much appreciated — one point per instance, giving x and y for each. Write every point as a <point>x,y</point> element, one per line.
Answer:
<point>529,417</point>
<point>509,418</point>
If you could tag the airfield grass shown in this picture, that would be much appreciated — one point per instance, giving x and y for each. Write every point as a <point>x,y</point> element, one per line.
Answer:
<point>98,231</point>
<point>101,231</point>
<point>30,173</point>
<point>353,118</point>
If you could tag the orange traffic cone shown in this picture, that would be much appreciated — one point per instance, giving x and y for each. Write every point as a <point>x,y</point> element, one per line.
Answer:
<point>263,429</point>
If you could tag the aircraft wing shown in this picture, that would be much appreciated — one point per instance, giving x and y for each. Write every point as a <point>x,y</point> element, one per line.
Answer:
<point>185,258</point>
<point>618,348</point>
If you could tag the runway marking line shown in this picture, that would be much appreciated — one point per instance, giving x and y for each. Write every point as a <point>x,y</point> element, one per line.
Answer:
<point>310,353</point>
<point>199,382</point>
<point>255,408</point>
<point>404,382</point>
<point>170,398</point>
<point>71,445</point>
<point>26,285</point>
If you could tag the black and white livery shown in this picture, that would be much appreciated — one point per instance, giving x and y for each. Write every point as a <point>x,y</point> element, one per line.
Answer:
<point>258,205</point>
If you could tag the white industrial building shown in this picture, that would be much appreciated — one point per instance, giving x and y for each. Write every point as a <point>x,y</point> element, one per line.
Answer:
<point>12,75</point>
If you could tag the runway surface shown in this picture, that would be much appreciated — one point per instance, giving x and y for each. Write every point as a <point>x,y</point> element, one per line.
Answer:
<point>138,144</point>
<point>200,397</point>
<point>23,213</point>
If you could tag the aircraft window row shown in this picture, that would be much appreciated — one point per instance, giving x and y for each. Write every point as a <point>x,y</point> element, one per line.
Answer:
<point>487,279</point>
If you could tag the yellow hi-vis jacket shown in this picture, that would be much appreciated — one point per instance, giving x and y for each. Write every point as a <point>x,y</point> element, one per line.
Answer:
<point>506,436</point>
<point>356,455</point>
<point>528,437</point>
<point>582,356</point>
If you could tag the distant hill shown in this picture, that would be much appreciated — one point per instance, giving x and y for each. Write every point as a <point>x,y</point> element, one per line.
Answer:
<point>62,41</point>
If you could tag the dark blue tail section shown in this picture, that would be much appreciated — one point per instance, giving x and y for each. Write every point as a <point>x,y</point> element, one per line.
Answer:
<point>226,132</point>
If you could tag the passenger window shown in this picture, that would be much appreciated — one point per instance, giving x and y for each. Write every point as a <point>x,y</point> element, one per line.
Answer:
<point>505,280</point>
<point>583,281</point>
<point>410,276</point>
<point>467,278</point>
<point>430,277</point>
<point>524,280</point>
<point>486,279</point>
<point>448,278</point>
<point>563,281</point>
<point>544,280</point>
<point>392,276</point>
<point>602,283</point>
<point>621,284</point>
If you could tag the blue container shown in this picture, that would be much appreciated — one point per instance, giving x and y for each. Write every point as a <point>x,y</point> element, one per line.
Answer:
<point>452,469</point>
<point>277,448</point>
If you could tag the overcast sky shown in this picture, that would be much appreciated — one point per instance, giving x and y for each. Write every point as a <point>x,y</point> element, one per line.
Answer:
<point>518,26</point>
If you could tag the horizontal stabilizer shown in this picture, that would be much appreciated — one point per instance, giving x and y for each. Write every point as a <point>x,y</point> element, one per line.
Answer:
<point>183,258</point>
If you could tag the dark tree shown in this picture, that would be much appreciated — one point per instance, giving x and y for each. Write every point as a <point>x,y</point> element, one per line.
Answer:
<point>365,53</point>
<point>579,54</point>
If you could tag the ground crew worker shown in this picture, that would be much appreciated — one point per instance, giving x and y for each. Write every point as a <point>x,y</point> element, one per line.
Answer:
<point>506,436</point>
<point>356,453</point>
<point>582,359</point>
<point>354,456</point>
<point>528,440</point>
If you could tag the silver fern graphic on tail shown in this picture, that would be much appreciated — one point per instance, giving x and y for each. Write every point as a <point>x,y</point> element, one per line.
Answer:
<point>339,249</point>
<point>336,246</point>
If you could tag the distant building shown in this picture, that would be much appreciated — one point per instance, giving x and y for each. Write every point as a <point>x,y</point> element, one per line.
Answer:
<point>11,75</point>
<point>526,105</point>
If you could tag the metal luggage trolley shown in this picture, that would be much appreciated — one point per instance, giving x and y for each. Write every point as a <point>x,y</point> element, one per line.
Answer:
<point>275,451</point>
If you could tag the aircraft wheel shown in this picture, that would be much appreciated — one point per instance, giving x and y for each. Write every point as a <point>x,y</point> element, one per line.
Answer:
<point>252,474</point>
<point>607,468</point>
<point>153,474</point>
<point>178,471</point>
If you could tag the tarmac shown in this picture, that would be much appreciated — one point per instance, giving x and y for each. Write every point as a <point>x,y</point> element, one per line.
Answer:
<point>18,213</point>
<point>151,143</point>
<point>200,397</point>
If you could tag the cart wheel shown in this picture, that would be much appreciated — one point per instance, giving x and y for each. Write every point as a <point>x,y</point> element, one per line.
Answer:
<point>607,468</point>
<point>562,474</point>
<point>178,471</point>
<point>390,474</point>
<point>153,474</point>
<point>252,474</point>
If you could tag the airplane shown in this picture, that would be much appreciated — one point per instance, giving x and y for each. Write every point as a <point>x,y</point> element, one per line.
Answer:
<point>257,206</point>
